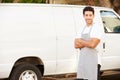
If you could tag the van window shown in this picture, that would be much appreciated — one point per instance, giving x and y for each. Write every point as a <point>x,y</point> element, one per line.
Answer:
<point>111,22</point>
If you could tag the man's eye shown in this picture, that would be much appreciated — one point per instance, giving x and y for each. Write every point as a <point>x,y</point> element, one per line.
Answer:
<point>90,15</point>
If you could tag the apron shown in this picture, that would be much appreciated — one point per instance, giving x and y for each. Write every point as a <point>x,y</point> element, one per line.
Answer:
<point>88,60</point>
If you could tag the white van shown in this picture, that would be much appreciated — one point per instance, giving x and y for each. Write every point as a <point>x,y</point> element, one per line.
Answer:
<point>37,39</point>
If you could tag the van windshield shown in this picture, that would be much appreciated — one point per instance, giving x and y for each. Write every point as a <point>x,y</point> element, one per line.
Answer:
<point>111,21</point>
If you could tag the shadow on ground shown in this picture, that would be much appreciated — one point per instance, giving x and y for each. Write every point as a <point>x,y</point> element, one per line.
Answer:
<point>111,75</point>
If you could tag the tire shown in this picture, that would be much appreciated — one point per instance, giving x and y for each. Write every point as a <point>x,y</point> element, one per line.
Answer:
<point>25,72</point>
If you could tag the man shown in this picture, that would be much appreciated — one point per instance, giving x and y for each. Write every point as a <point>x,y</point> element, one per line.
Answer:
<point>88,40</point>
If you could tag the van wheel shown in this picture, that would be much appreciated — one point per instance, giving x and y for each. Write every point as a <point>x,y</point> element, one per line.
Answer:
<point>25,72</point>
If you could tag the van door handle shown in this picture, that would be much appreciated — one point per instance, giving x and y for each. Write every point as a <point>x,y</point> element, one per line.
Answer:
<point>103,45</point>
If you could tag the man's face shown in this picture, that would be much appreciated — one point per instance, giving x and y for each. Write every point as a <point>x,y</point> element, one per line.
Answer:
<point>88,15</point>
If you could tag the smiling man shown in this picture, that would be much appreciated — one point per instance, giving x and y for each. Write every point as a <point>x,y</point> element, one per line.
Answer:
<point>87,42</point>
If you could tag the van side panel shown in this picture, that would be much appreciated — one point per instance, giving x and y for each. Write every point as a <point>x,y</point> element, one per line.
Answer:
<point>26,31</point>
<point>65,31</point>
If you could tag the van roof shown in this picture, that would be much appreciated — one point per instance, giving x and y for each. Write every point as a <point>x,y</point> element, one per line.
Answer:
<point>52,5</point>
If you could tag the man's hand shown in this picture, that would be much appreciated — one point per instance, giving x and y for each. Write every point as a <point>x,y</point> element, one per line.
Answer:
<point>77,43</point>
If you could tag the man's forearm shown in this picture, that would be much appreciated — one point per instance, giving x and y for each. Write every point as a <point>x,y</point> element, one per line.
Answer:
<point>92,43</point>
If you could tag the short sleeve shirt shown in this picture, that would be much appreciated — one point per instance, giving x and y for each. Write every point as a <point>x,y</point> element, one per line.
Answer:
<point>96,32</point>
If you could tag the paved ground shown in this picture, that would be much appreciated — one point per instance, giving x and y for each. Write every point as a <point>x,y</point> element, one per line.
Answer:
<point>107,75</point>
<point>111,75</point>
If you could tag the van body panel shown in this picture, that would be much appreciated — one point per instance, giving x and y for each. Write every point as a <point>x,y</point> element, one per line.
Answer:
<point>111,54</point>
<point>65,32</point>
<point>24,33</point>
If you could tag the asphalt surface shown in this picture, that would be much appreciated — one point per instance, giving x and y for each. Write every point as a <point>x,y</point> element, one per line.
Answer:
<point>107,75</point>
<point>111,75</point>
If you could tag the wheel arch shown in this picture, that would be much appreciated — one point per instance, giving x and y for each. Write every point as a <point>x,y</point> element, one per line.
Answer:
<point>32,60</point>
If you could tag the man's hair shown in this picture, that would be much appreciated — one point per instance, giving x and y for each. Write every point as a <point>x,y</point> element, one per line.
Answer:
<point>88,8</point>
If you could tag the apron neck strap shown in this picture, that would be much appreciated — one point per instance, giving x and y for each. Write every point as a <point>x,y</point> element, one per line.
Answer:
<point>89,30</point>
